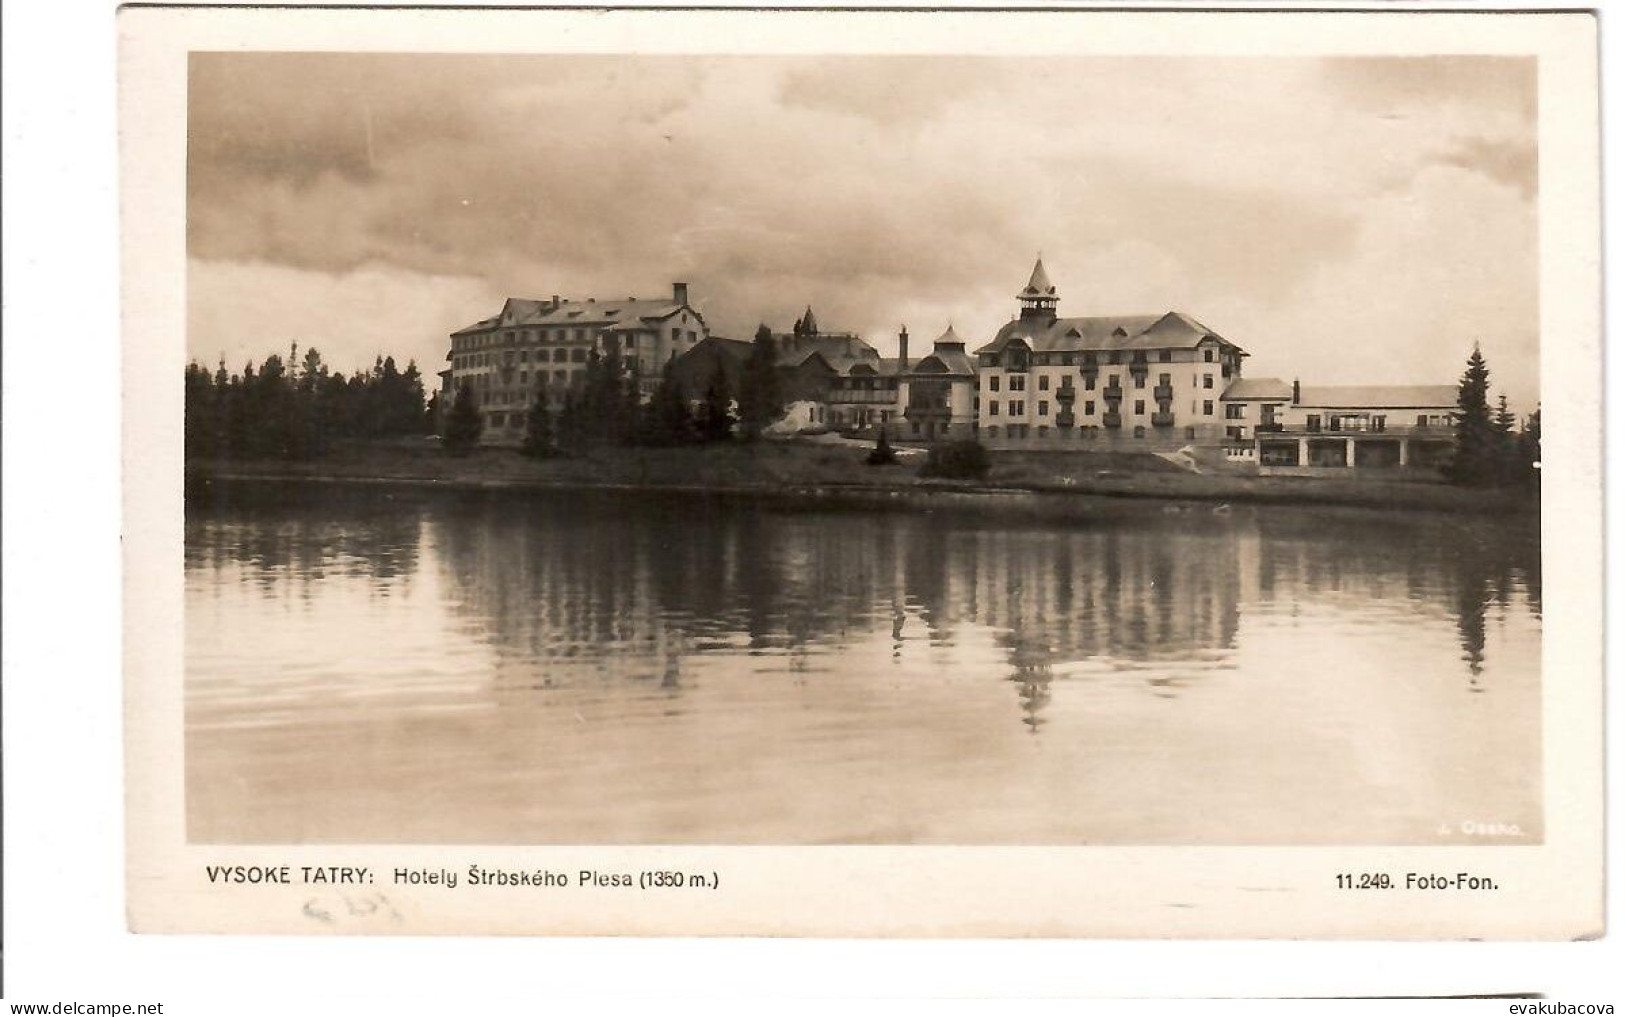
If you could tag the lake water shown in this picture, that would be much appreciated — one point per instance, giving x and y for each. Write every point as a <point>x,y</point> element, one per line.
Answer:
<point>374,666</point>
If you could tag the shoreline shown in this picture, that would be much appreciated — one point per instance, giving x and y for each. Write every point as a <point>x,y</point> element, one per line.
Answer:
<point>1069,497</point>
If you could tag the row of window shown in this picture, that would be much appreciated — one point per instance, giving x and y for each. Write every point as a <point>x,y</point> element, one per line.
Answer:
<point>1018,407</point>
<point>486,340</point>
<point>1266,411</point>
<point>1042,431</point>
<point>1374,422</point>
<point>500,397</point>
<point>1340,423</point>
<point>1368,422</point>
<point>1018,382</point>
<point>1019,359</point>
<point>558,355</point>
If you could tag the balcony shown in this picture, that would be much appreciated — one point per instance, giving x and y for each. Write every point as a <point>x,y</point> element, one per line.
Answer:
<point>1066,394</point>
<point>1161,419</point>
<point>1269,428</point>
<point>1112,419</point>
<point>1139,367</point>
<point>1090,370</point>
<point>1065,419</point>
<point>1113,393</point>
<point>1163,393</point>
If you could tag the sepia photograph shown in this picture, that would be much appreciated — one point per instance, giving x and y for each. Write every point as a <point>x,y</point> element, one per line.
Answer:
<point>944,446</point>
<point>1216,522</point>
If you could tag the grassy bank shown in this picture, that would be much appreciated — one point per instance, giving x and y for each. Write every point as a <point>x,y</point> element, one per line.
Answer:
<point>807,470</point>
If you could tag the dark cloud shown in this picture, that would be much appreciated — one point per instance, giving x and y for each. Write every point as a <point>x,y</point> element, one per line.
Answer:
<point>877,189</point>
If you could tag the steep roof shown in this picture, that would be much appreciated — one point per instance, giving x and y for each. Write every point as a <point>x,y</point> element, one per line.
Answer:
<point>625,315</point>
<point>1172,330</point>
<point>834,346</point>
<point>734,349</point>
<point>949,353</point>
<point>1039,285</point>
<point>1378,397</point>
<point>1258,388</point>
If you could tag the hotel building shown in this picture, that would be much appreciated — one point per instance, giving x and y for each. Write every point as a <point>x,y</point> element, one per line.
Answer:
<point>544,345</point>
<point>1135,381</point>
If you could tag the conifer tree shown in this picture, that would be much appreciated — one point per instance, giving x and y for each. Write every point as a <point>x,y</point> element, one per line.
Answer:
<point>1508,468</point>
<point>1529,447</point>
<point>1477,442</point>
<point>407,416</point>
<point>716,415</point>
<point>199,422</point>
<point>572,423</point>
<point>665,420</point>
<point>431,414</point>
<point>628,410</point>
<point>761,400</point>
<point>463,424</point>
<point>538,441</point>
<point>1505,421</point>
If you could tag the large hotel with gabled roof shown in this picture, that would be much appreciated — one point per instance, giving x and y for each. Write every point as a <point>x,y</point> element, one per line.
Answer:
<point>544,345</point>
<point>1046,379</point>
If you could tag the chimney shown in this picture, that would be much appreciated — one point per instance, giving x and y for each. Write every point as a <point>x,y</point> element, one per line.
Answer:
<point>679,293</point>
<point>1297,393</point>
<point>555,301</point>
<point>902,346</point>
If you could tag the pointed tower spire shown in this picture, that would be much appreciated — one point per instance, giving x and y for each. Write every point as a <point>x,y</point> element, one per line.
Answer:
<point>1038,298</point>
<point>809,322</point>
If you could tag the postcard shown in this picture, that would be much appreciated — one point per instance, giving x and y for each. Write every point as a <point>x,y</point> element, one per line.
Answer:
<point>1077,473</point>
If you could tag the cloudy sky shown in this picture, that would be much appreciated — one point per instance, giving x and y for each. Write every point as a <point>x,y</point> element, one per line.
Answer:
<point>1346,221</point>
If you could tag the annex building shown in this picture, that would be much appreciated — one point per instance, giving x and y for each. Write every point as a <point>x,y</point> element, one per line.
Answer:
<point>1286,428</point>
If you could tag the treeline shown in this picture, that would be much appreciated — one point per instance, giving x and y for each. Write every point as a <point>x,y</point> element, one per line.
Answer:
<point>296,408</point>
<point>1492,449</point>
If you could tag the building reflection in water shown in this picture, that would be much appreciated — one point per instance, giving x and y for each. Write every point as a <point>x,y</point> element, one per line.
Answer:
<point>606,589</point>
<point>367,664</point>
